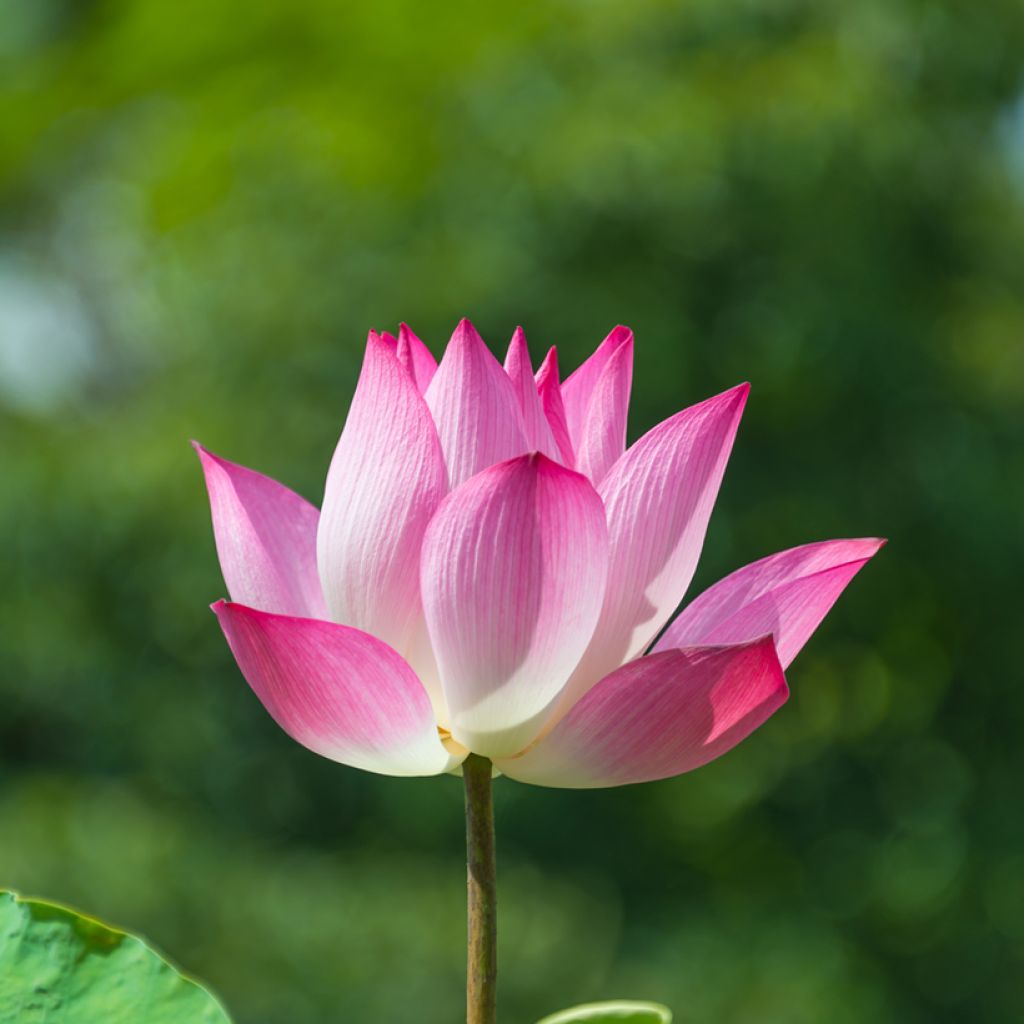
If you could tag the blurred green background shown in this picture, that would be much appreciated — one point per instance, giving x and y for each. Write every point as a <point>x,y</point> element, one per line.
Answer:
<point>204,207</point>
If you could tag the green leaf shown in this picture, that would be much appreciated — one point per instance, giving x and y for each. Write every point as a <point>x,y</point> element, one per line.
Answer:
<point>59,967</point>
<point>619,1011</point>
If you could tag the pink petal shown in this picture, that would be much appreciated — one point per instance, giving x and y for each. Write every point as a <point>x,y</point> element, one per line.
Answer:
<point>474,406</point>
<point>385,482</point>
<point>787,595</point>
<point>656,717</point>
<point>266,539</point>
<point>602,437</point>
<point>513,576</point>
<point>416,358</point>
<point>338,691</point>
<point>539,437</point>
<point>578,389</point>
<point>389,339</point>
<point>658,499</point>
<point>550,391</point>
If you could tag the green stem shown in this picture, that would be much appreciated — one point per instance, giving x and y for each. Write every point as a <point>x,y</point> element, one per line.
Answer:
<point>482,895</point>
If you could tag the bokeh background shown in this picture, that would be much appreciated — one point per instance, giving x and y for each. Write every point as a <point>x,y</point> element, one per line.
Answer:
<point>204,207</point>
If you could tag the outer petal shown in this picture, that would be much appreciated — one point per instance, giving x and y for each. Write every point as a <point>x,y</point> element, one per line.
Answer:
<point>416,358</point>
<point>550,391</point>
<point>658,716</point>
<point>602,438</point>
<point>474,406</point>
<point>513,575</point>
<point>266,539</point>
<point>787,595</point>
<point>578,389</point>
<point>658,499</point>
<point>385,482</point>
<point>539,437</point>
<point>338,691</point>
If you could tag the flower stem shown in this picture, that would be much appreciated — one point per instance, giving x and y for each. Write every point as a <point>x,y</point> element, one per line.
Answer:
<point>482,896</point>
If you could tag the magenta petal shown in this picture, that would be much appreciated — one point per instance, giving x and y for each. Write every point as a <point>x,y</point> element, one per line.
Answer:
<point>787,595</point>
<point>539,437</point>
<point>578,389</point>
<point>602,437</point>
<point>417,359</point>
<point>657,717</point>
<point>266,539</point>
<point>386,480</point>
<point>550,390</point>
<point>513,577</point>
<point>475,407</point>
<point>338,691</point>
<point>658,499</point>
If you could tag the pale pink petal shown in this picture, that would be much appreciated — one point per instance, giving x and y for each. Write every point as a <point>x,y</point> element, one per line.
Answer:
<point>602,437</point>
<point>539,437</point>
<point>513,576</point>
<point>657,717</point>
<point>474,406</point>
<point>385,482</point>
<point>658,499</point>
<point>578,388</point>
<point>550,390</point>
<point>266,539</point>
<point>416,358</point>
<point>338,691</point>
<point>786,595</point>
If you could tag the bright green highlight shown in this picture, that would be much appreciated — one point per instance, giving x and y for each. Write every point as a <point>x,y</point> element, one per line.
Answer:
<point>619,1011</point>
<point>60,967</point>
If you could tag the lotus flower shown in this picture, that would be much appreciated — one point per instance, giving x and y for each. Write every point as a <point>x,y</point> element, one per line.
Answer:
<point>492,568</point>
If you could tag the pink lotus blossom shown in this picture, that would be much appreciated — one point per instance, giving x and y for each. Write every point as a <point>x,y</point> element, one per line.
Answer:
<point>490,570</point>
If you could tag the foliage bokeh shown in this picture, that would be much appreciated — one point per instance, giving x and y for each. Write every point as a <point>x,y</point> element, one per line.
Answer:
<point>203,207</point>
